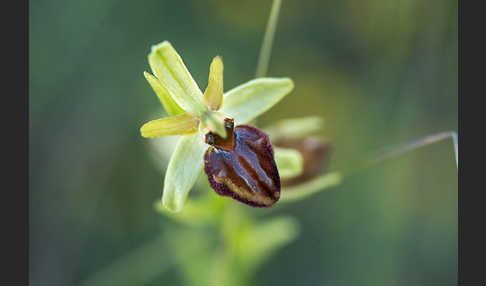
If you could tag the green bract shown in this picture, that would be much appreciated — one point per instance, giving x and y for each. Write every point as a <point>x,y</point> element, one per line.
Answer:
<point>191,110</point>
<point>311,187</point>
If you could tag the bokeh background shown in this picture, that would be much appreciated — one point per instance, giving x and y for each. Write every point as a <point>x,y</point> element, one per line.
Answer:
<point>379,72</point>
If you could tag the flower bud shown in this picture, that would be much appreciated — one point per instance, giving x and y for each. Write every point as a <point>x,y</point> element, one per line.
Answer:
<point>315,153</point>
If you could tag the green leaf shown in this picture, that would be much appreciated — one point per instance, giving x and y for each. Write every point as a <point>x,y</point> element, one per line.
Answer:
<point>181,124</point>
<point>302,191</point>
<point>139,266</point>
<point>295,127</point>
<point>261,241</point>
<point>289,162</point>
<point>249,100</point>
<point>184,168</point>
<point>170,106</point>
<point>173,75</point>
<point>192,250</point>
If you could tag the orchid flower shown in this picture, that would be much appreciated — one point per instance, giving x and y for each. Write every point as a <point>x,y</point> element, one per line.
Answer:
<point>193,113</point>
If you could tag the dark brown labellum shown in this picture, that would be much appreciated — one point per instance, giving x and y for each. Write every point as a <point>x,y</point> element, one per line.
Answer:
<point>242,165</point>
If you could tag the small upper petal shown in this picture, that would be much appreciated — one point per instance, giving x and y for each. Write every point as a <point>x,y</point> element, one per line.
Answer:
<point>213,96</point>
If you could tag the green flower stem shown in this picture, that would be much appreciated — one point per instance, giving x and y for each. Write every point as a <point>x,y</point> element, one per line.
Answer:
<point>400,149</point>
<point>415,144</point>
<point>266,49</point>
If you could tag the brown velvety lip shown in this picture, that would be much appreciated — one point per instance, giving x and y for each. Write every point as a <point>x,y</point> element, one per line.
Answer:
<point>247,172</point>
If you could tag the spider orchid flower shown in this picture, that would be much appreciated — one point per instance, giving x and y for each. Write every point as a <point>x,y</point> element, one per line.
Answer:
<point>192,114</point>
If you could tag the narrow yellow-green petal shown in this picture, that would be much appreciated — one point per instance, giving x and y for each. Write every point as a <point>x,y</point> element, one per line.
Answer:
<point>185,166</point>
<point>170,106</point>
<point>289,162</point>
<point>253,98</point>
<point>213,96</point>
<point>169,68</point>
<point>181,124</point>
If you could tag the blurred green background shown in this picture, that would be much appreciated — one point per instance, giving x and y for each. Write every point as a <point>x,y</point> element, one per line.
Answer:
<point>380,73</point>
